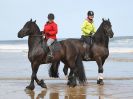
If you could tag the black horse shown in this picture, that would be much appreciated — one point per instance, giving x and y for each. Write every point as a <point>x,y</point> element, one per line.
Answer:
<point>98,52</point>
<point>37,55</point>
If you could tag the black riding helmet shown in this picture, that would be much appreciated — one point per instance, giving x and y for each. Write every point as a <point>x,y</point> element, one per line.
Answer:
<point>90,13</point>
<point>50,16</point>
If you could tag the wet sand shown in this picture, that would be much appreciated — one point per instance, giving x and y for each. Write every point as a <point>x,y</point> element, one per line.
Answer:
<point>57,89</point>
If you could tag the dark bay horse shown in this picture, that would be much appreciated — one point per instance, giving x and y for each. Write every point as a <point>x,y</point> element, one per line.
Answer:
<point>99,50</point>
<point>68,54</point>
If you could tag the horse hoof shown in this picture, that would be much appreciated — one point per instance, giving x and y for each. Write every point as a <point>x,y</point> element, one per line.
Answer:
<point>72,85</point>
<point>30,87</point>
<point>100,82</point>
<point>68,83</point>
<point>42,84</point>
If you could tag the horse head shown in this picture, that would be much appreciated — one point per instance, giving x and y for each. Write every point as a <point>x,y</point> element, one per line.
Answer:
<point>27,29</point>
<point>106,24</point>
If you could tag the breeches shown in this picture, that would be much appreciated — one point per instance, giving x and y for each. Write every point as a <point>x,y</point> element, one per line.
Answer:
<point>50,41</point>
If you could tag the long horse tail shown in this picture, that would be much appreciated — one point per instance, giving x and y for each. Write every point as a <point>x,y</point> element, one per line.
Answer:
<point>80,72</point>
<point>53,70</point>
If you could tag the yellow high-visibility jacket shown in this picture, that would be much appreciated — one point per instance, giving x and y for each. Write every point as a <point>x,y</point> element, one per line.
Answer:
<point>88,28</point>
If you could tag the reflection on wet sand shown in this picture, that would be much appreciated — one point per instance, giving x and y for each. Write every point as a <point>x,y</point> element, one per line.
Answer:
<point>31,93</point>
<point>75,93</point>
<point>100,92</point>
<point>79,92</point>
<point>54,96</point>
<point>113,89</point>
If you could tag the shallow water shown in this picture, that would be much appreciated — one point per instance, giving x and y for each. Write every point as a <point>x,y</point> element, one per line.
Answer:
<point>15,65</point>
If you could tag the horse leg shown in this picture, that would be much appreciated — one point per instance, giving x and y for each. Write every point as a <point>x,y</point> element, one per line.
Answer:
<point>34,77</point>
<point>100,63</point>
<point>53,70</point>
<point>70,76</point>
<point>40,82</point>
<point>65,70</point>
<point>77,71</point>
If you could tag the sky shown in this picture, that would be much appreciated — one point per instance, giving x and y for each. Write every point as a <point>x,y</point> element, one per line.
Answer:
<point>69,15</point>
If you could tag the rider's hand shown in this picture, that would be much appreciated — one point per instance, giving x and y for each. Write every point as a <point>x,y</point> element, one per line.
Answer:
<point>91,33</point>
<point>44,36</point>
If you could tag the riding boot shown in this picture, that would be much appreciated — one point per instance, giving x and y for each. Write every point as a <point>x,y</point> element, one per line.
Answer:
<point>50,54</point>
<point>87,52</point>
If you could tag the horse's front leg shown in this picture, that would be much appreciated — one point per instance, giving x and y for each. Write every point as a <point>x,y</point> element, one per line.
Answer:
<point>34,77</point>
<point>100,63</point>
<point>39,82</point>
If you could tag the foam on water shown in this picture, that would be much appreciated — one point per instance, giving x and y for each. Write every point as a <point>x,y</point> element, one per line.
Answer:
<point>120,50</point>
<point>116,45</point>
<point>13,48</point>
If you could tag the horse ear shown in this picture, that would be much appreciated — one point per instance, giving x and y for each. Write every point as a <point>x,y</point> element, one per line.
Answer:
<point>35,21</point>
<point>31,20</point>
<point>103,19</point>
<point>108,19</point>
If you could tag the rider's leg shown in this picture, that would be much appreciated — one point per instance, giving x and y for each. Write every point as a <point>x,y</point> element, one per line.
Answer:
<point>87,48</point>
<point>49,43</point>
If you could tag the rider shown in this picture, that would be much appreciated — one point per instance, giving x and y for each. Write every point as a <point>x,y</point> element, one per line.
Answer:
<point>49,32</point>
<point>88,29</point>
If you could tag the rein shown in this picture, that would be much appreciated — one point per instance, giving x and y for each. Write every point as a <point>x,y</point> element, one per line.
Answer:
<point>35,35</point>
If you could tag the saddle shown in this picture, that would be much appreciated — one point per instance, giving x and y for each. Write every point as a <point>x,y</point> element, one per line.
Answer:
<point>87,43</point>
<point>55,46</point>
<point>87,40</point>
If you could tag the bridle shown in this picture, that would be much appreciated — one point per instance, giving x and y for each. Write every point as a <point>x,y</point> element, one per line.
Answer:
<point>35,35</point>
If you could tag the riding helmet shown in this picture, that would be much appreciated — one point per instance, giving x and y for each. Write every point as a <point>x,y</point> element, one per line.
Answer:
<point>90,13</point>
<point>50,16</point>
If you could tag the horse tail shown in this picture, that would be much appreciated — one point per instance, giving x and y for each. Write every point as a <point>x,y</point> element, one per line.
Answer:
<point>53,70</point>
<point>80,72</point>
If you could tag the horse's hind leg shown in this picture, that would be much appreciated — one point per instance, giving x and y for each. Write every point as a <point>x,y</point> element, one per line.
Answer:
<point>100,63</point>
<point>53,70</point>
<point>65,70</point>
<point>70,76</point>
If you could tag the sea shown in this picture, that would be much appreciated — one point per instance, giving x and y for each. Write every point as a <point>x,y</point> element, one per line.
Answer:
<point>14,63</point>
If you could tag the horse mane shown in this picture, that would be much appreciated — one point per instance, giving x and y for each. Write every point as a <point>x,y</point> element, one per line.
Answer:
<point>100,36</point>
<point>36,28</point>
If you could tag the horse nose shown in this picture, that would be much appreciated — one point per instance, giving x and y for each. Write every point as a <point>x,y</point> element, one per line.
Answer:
<point>19,34</point>
<point>112,34</point>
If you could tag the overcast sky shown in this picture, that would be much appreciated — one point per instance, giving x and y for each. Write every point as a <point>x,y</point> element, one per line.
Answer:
<point>69,15</point>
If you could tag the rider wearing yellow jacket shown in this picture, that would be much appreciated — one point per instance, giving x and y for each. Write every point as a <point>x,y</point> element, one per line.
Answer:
<point>88,29</point>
